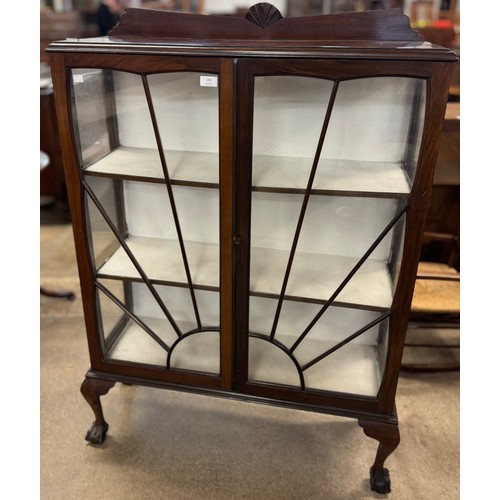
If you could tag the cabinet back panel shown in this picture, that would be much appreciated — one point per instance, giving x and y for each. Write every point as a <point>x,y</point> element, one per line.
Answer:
<point>187,113</point>
<point>179,304</point>
<point>335,325</point>
<point>149,213</point>
<point>332,225</point>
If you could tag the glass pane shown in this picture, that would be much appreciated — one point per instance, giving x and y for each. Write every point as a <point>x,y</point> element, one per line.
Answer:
<point>356,367</point>
<point>371,142</point>
<point>377,121</point>
<point>335,234</point>
<point>149,152</point>
<point>113,124</point>
<point>327,225</point>
<point>103,240</point>
<point>187,112</point>
<point>289,113</point>
<point>112,317</point>
<point>145,335</point>
<point>92,109</point>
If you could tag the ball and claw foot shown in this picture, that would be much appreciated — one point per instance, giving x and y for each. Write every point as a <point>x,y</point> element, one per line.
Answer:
<point>380,481</point>
<point>97,433</point>
<point>92,389</point>
<point>388,437</point>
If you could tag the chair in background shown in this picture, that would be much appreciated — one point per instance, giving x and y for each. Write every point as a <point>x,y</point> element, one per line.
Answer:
<point>433,339</point>
<point>434,319</point>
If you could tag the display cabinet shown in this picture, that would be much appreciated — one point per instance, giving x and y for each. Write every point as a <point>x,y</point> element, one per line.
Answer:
<point>248,197</point>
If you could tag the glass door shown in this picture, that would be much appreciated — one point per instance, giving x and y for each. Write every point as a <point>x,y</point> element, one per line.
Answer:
<point>149,152</point>
<point>332,166</point>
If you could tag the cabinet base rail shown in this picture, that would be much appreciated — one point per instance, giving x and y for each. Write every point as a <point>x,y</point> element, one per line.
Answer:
<point>382,428</point>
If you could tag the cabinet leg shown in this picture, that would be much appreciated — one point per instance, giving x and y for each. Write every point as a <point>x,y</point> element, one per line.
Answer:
<point>388,437</point>
<point>92,389</point>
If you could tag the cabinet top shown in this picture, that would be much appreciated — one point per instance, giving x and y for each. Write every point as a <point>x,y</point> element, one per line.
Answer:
<point>263,31</point>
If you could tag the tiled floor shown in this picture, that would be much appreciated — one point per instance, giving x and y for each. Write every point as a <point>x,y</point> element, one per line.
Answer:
<point>175,446</point>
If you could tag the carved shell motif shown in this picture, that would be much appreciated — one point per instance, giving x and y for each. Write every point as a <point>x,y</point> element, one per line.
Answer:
<point>263,14</point>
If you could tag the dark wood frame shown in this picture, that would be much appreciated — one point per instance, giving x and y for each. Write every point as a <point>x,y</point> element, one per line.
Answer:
<point>238,49</point>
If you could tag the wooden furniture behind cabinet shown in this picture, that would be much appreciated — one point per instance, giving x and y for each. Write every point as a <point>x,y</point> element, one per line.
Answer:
<point>248,196</point>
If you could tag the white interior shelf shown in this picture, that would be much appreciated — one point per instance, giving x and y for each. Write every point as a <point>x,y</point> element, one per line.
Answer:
<point>316,277</point>
<point>269,172</point>
<point>161,260</point>
<point>188,166</point>
<point>331,175</point>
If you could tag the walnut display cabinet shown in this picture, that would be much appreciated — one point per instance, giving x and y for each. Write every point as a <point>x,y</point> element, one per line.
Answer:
<point>248,196</point>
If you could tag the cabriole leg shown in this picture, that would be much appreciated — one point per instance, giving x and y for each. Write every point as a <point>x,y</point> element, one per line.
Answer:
<point>92,389</point>
<point>388,437</point>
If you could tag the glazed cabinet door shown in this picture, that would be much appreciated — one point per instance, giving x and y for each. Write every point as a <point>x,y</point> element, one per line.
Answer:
<point>152,183</point>
<point>331,151</point>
